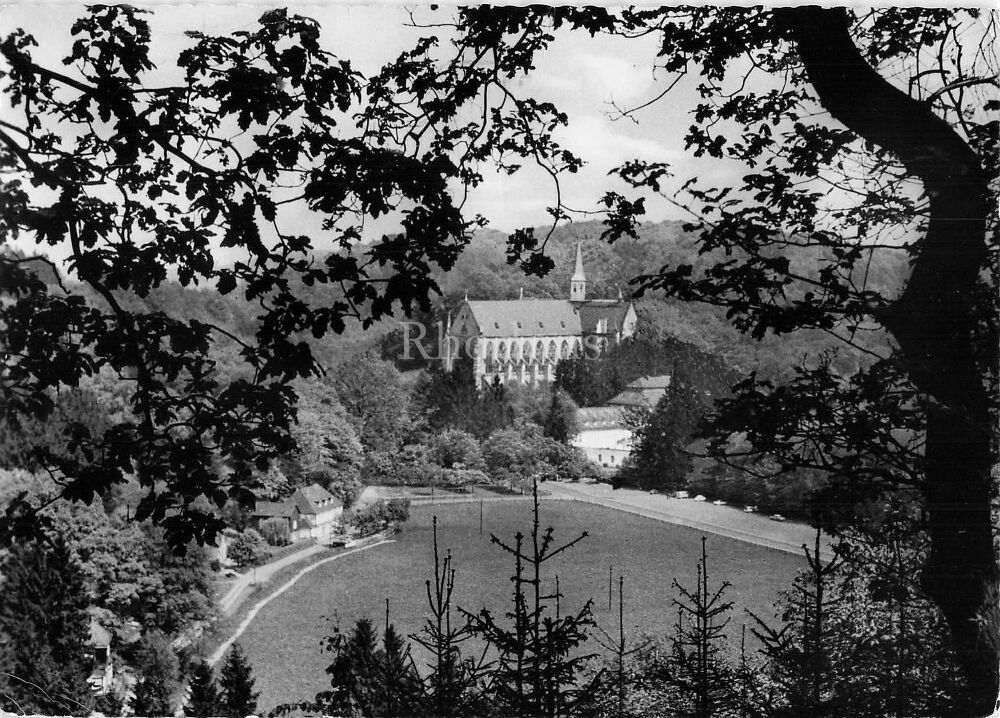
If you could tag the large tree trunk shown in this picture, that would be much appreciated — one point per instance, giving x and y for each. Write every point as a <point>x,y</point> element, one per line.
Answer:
<point>935,325</point>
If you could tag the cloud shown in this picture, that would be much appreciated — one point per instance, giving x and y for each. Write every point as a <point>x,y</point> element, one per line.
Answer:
<point>605,144</point>
<point>613,78</point>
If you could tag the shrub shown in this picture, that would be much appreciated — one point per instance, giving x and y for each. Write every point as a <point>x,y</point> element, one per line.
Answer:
<point>276,532</point>
<point>456,449</point>
<point>457,478</point>
<point>410,466</point>
<point>247,549</point>
<point>397,510</point>
<point>375,517</point>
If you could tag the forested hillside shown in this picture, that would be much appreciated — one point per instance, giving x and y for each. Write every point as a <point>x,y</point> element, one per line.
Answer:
<point>482,272</point>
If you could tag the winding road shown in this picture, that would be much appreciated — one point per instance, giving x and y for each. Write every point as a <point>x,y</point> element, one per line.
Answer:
<point>252,613</point>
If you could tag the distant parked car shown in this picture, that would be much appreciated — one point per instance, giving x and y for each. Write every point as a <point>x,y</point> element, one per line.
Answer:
<point>776,517</point>
<point>750,509</point>
<point>681,495</point>
<point>699,497</point>
<point>719,502</point>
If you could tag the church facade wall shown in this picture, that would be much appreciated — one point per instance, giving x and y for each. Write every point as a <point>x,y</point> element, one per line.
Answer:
<point>525,360</point>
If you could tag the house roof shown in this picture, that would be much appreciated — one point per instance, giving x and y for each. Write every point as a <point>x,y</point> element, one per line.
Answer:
<point>100,637</point>
<point>525,317</point>
<point>274,508</point>
<point>595,310</point>
<point>645,391</point>
<point>600,417</point>
<point>308,499</point>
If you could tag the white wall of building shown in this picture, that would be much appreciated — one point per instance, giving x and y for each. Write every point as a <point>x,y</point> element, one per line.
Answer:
<point>606,447</point>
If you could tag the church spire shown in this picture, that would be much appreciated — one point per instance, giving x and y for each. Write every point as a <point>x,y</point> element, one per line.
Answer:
<point>578,283</point>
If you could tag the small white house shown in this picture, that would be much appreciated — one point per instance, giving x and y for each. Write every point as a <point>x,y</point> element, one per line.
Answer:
<point>604,437</point>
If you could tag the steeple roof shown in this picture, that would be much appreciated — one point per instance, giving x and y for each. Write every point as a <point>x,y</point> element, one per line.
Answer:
<point>578,275</point>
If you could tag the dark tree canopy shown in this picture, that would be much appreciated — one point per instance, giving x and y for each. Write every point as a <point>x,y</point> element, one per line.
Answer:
<point>860,131</point>
<point>237,694</point>
<point>44,629</point>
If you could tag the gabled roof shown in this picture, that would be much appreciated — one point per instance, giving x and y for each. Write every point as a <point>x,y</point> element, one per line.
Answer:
<point>525,317</point>
<point>660,381</point>
<point>645,392</point>
<point>308,499</point>
<point>283,509</point>
<point>100,637</point>
<point>593,311</point>
<point>600,417</point>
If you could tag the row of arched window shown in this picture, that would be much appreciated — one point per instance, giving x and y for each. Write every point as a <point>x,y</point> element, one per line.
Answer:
<point>515,350</point>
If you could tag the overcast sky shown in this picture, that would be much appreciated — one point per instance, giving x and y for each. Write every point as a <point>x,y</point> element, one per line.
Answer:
<point>582,75</point>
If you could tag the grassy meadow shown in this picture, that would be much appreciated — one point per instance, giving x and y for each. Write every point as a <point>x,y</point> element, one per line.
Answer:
<point>284,641</point>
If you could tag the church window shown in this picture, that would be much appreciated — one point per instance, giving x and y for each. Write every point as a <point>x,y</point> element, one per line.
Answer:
<point>519,325</point>
<point>496,325</point>
<point>540,326</point>
<point>562,324</point>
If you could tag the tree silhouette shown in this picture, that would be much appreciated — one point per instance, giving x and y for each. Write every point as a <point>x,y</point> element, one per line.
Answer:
<point>661,458</point>
<point>453,680</point>
<point>158,671</point>
<point>698,667</point>
<point>537,668</point>
<point>44,631</point>
<point>861,132</point>
<point>236,685</point>
<point>801,654</point>
<point>204,699</point>
<point>176,175</point>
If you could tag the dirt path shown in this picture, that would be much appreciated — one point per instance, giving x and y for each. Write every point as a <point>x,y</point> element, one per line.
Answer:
<point>252,614</point>
<point>238,591</point>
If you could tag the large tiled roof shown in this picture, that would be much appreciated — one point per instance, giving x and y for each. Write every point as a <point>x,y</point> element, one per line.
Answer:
<point>593,311</point>
<point>309,498</point>
<point>525,317</point>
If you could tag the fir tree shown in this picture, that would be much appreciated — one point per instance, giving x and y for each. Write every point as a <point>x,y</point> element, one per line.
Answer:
<point>401,689</point>
<point>801,654</point>
<point>858,637</point>
<point>157,680</point>
<point>367,679</point>
<point>236,683</point>
<point>452,679</point>
<point>660,459</point>
<point>559,420</point>
<point>539,664</point>
<point>698,667</point>
<point>44,630</point>
<point>204,699</point>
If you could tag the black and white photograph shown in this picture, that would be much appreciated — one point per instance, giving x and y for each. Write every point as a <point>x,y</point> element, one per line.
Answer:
<point>385,360</point>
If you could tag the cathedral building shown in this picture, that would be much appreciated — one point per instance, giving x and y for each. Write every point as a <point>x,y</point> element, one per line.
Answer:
<point>523,340</point>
